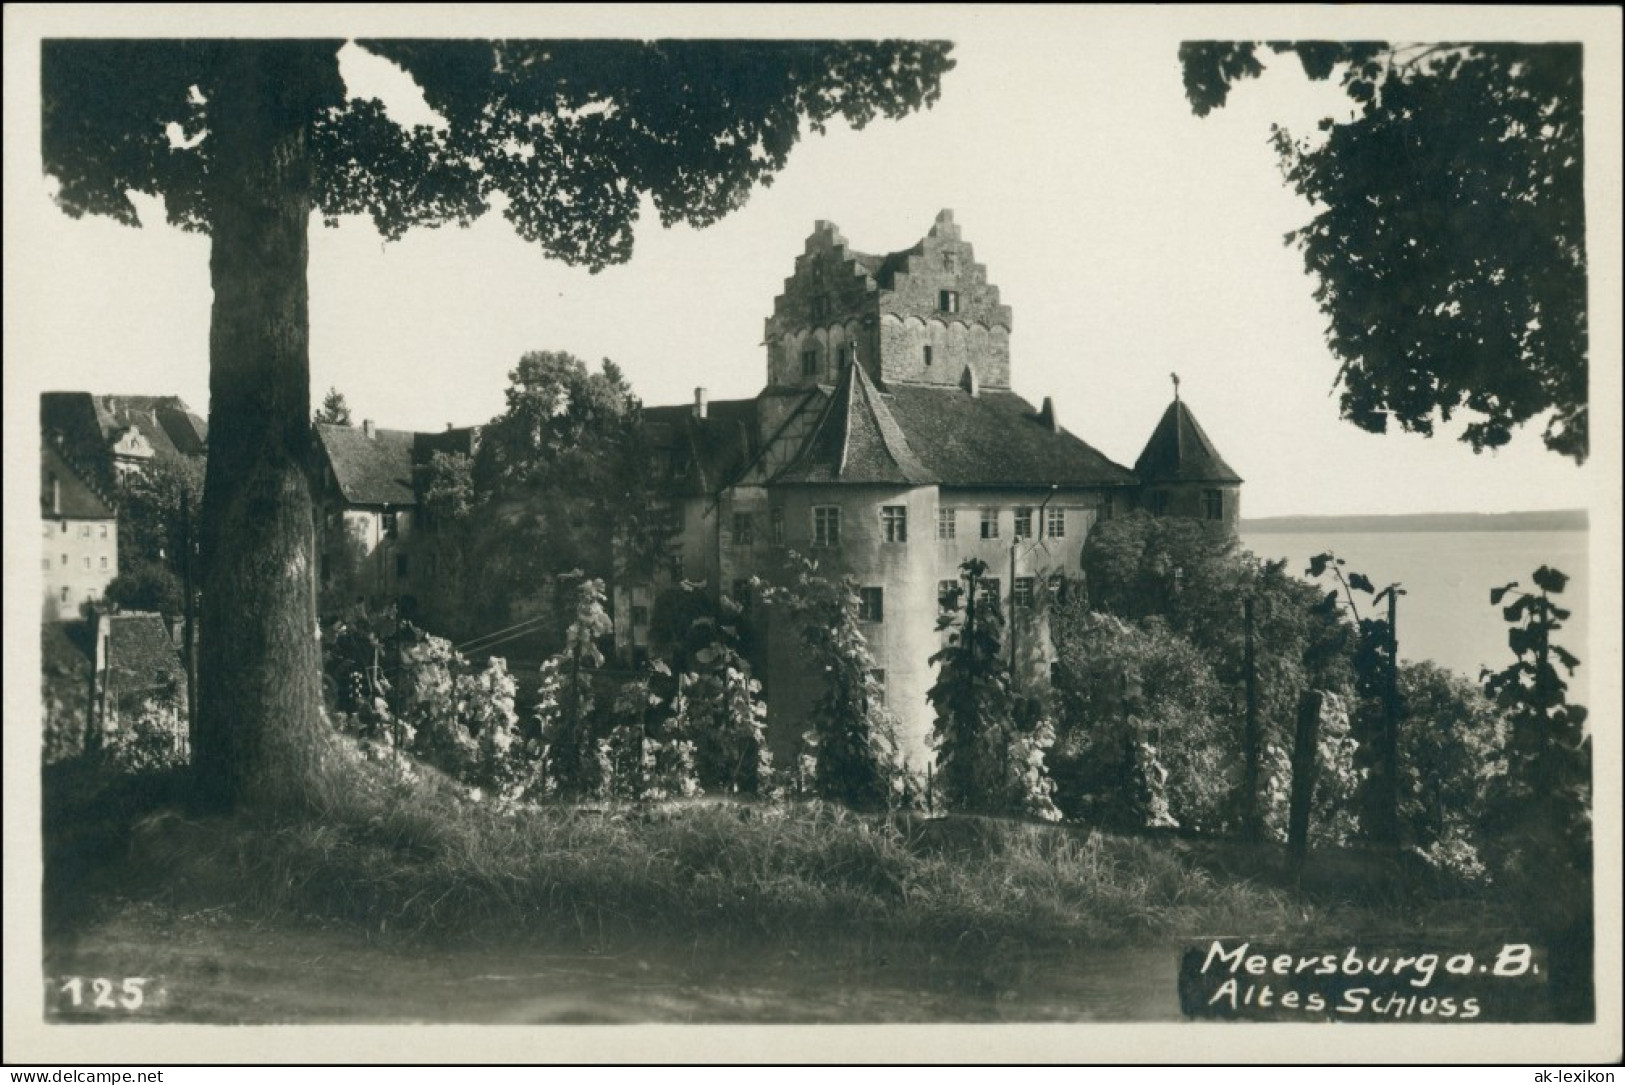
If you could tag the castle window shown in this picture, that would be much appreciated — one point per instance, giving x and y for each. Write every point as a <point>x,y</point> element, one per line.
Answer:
<point>945,523</point>
<point>1021,591</point>
<point>947,595</point>
<point>826,525</point>
<point>1108,506</point>
<point>64,559</point>
<point>927,354</point>
<point>64,527</point>
<point>988,591</point>
<point>871,604</point>
<point>894,523</point>
<point>87,564</point>
<point>990,523</point>
<point>64,595</point>
<point>744,529</point>
<point>948,301</point>
<point>1024,523</point>
<point>640,615</point>
<point>949,263</point>
<point>391,523</point>
<point>777,519</point>
<point>845,355</point>
<point>1159,503</point>
<point>104,563</point>
<point>1055,523</point>
<point>1213,504</point>
<point>400,565</point>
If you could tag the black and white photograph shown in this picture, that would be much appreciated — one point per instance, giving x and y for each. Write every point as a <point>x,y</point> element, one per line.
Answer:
<point>1002,524</point>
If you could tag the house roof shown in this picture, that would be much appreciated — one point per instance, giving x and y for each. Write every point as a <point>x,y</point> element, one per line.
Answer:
<point>374,470</point>
<point>166,422</point>
<point>994,439</point>
<point>857,440</point>
<point>77,494</point>
<point>702,454</point>
<point>1179,451</point>
<point>140,653</point>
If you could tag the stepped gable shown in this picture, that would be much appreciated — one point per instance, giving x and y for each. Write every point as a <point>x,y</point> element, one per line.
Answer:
<point>1179,451</point>
<point>908,281</point>
<point>995,439</point>
<point>858,441</point>
<point>702,455</point>
<point>374,470</point>
<point>165,422</point>
<point>829,273</point>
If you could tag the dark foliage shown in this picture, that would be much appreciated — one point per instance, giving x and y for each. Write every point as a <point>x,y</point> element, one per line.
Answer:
<point>1448,239</point>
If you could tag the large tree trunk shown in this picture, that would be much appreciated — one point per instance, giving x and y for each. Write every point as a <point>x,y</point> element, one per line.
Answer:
<point>261,736</point>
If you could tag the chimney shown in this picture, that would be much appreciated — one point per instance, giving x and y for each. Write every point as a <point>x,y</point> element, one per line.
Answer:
<point>1046,415</point>
<point>448,427</point>
<point>701,402</point>
<point>367,428</point>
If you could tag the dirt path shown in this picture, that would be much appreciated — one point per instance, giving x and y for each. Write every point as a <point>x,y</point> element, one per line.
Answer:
<point>212,968</point>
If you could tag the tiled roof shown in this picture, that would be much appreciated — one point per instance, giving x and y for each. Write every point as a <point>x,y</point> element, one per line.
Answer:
<point>140,653</point>
<point>374,470</point>
<point>994,439</point>
<point>700,456</point>
<point>77,494</point>
<point>166,422</point>
<point>1179,451</point>
<point>857,441</point>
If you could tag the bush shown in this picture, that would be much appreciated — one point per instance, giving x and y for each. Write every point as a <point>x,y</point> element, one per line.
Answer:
<point>1452,754</point>
<point>1142,740</point>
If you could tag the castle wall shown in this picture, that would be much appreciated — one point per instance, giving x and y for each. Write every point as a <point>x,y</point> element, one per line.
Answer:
<point>903,640</point>
<point>1191,499</point>
<point>954,345</point>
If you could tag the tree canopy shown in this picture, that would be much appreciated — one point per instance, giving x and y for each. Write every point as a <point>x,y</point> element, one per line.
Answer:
<point>571,134</point>
<point>246,139</point>
<point>1448,233</point>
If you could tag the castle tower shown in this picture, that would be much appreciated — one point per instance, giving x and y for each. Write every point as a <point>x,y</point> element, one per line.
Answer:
<point>1182,474</point>
<point>925,315</point>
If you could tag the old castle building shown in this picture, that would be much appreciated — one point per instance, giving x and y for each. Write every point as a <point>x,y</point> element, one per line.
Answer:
<point>888,444</point>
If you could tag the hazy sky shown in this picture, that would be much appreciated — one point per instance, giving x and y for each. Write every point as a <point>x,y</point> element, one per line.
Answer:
<point>1130,238</point>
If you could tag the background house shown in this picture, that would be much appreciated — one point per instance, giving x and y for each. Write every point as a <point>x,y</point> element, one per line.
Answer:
<point>79,522</point>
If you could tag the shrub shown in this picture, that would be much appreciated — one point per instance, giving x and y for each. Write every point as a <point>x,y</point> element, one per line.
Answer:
<point>990,746</point>
<point>1142,739</point>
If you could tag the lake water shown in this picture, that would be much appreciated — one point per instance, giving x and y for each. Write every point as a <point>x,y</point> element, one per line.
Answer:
<point>1446,614</point>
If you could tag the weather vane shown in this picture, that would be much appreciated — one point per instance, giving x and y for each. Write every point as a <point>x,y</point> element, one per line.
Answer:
<point>1175,376</point>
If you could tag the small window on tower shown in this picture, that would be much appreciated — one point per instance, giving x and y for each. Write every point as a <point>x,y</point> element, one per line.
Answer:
<point>871,604</point>
<point>948,301</point>
<point>391,522</point>
<point>927,354</point>
<point>809,362</point>
<point>1213,503</point>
